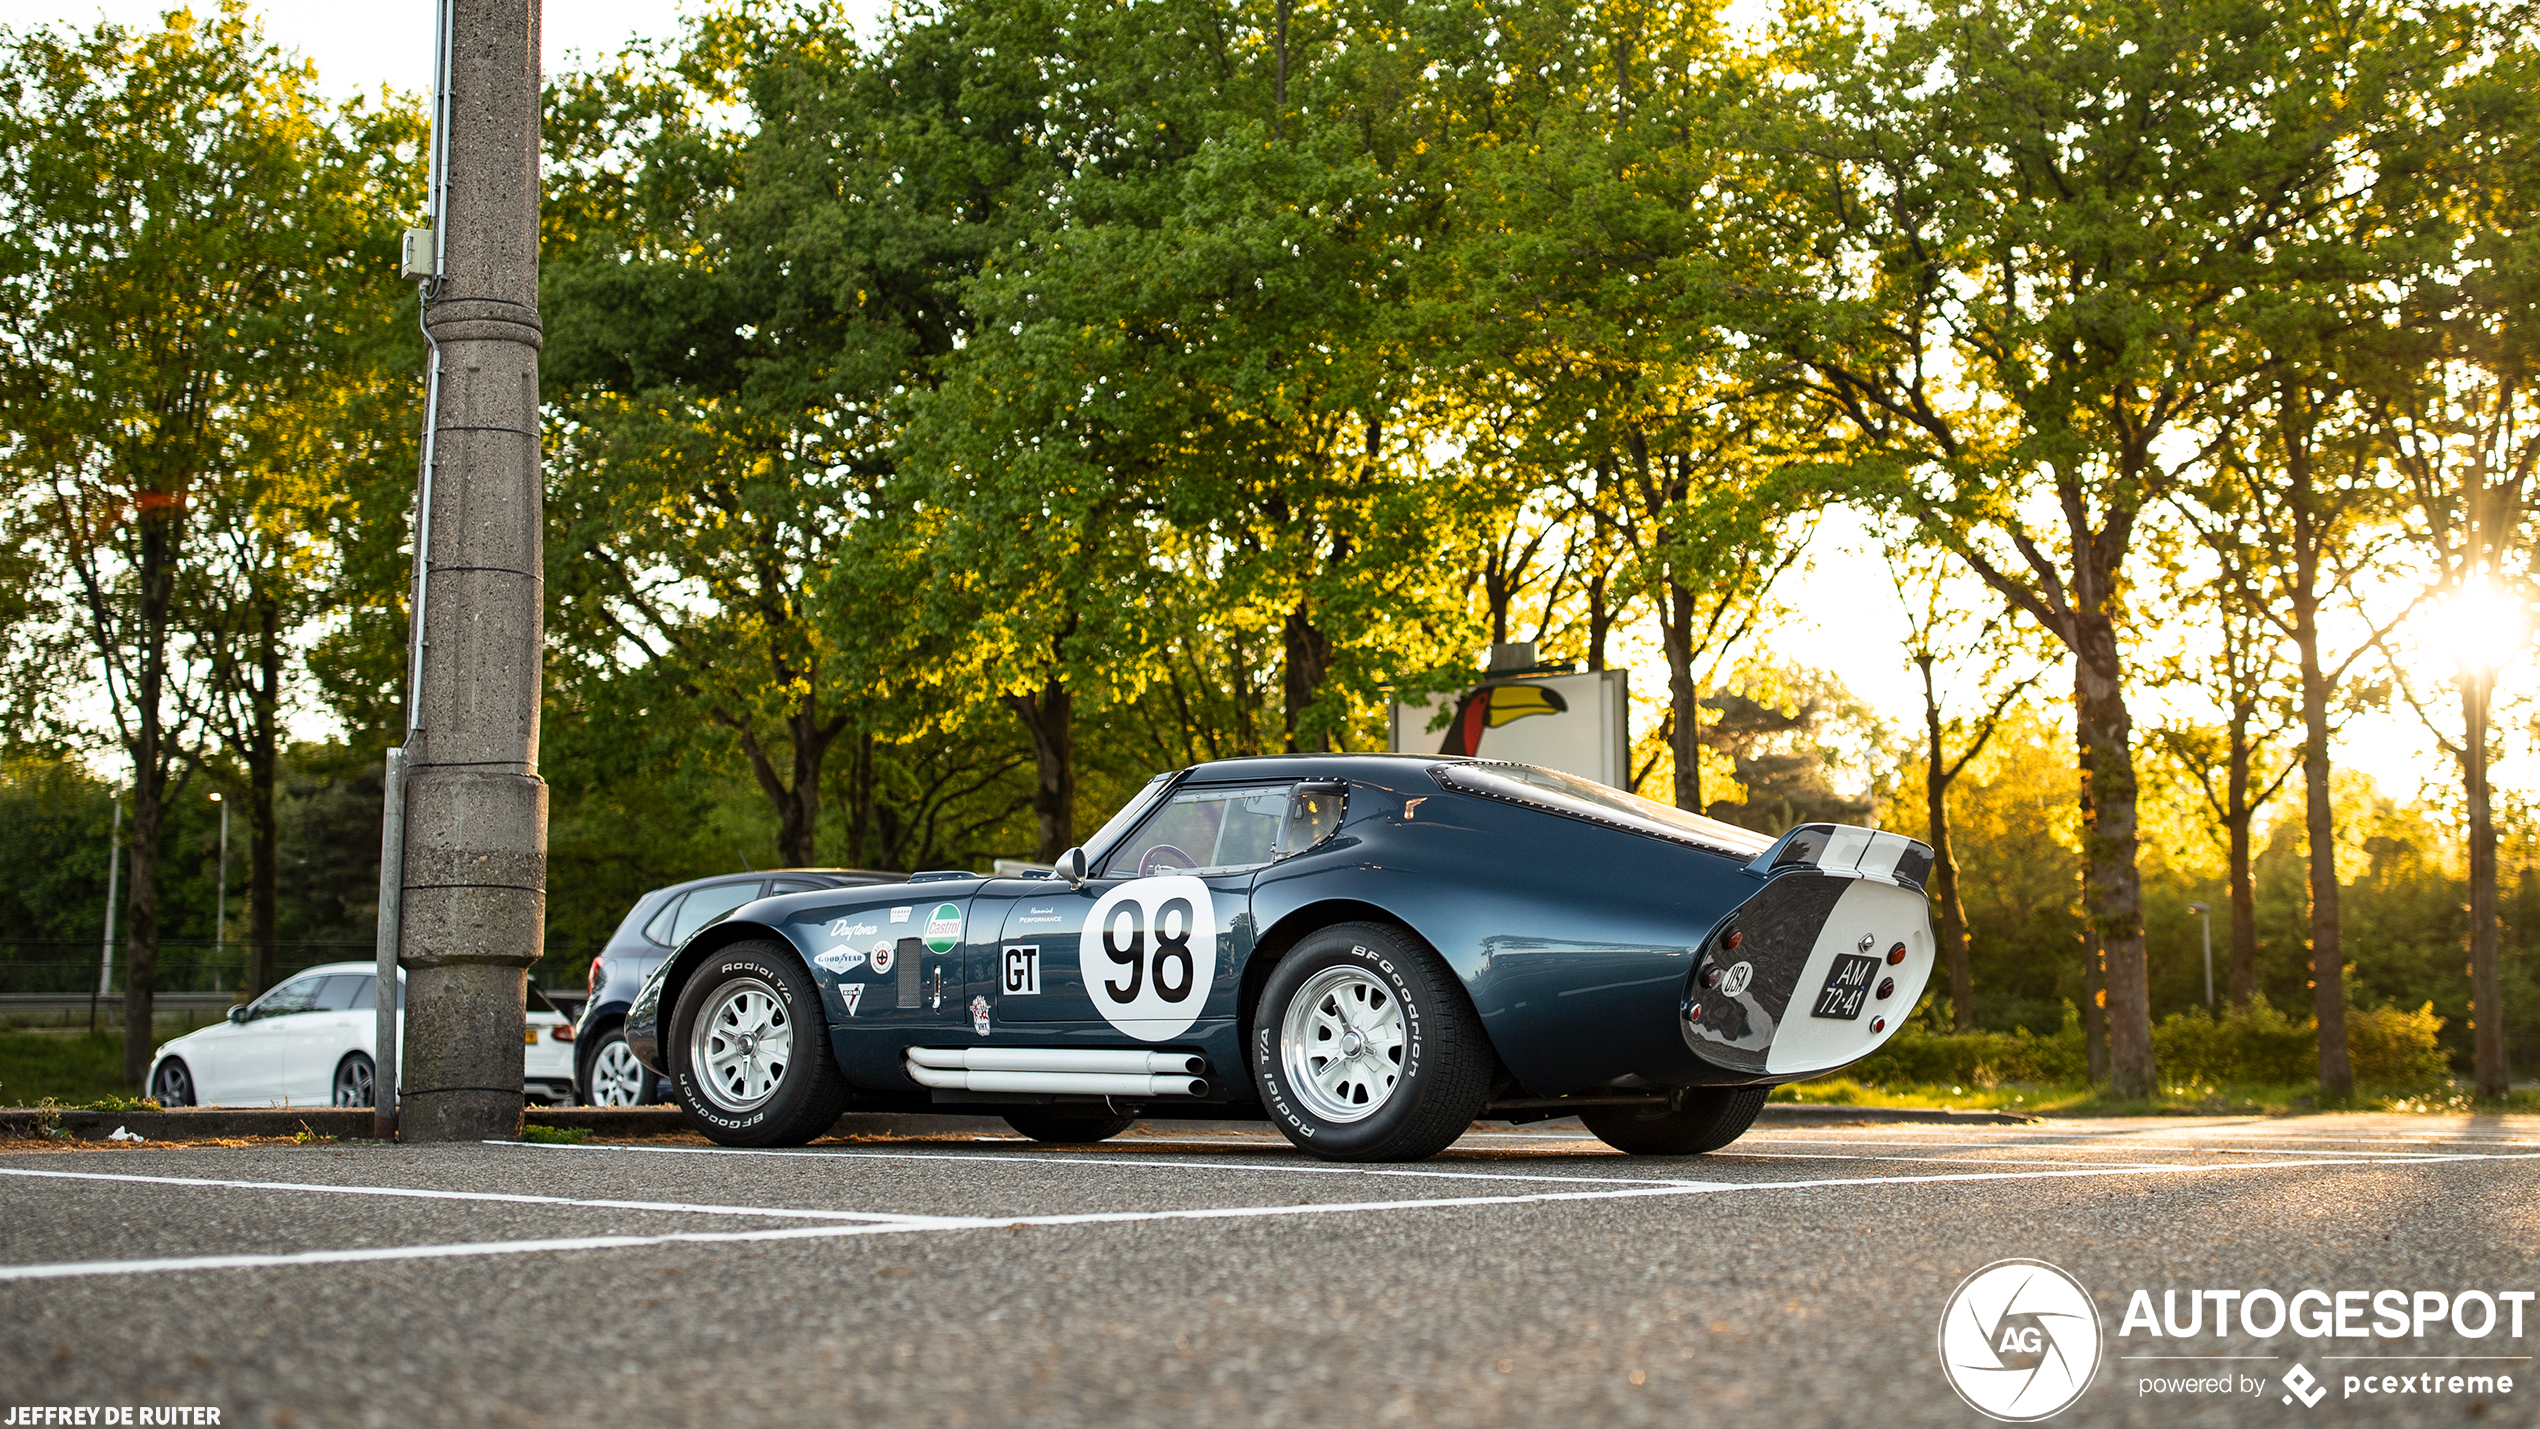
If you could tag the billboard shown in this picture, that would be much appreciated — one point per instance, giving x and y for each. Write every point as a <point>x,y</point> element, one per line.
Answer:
<point>1578,724</point>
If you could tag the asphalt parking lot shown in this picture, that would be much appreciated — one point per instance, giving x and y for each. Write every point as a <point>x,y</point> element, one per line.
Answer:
<point>1181,1277</point>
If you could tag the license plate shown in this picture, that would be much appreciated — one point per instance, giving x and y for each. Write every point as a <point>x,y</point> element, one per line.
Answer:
<point>1846,987</point>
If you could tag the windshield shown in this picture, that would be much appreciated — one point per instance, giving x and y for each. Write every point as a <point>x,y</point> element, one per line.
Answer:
<point>1583,799</point>
<point>1119,824</point>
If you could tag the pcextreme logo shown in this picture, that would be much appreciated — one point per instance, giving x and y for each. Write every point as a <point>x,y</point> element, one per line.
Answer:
<point>2019,1341</point>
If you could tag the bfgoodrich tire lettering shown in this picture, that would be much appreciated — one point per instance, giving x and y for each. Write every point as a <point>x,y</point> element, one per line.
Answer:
<point>1413,1079</point>
<point>809,1092</point>
<point>1707,1119</point>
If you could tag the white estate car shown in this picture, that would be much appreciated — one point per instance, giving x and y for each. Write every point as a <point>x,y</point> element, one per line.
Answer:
<point>309,1042</point>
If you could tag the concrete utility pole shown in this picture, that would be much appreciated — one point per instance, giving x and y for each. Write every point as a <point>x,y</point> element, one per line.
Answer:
<point>472,904</point>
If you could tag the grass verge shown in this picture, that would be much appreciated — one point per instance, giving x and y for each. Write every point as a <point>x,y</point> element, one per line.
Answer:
<point>2083,1099</point>
<point>70,1066</point>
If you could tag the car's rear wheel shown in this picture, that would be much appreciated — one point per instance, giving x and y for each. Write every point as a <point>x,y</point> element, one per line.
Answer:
<point>1366,1049</point>
<point>356,1081</point>
<point>613,1077</point>
<point>749,1050</point>
<point>1707,1119</point>
<point>172,1084</point>
<point>1063,1129</point>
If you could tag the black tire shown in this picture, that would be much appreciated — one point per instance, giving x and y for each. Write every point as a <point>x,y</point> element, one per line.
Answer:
<point>172,1083</point>
<point>1708,1119</point>
<point>1440,1061</point>
<point>356,1081</point>
<point>806,1092</point>
<point>609,1075</point>
<point>1062,1129</point>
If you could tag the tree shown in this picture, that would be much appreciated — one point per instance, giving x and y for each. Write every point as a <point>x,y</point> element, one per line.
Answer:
<point>1938,633</point>
<point>181,212</point>
<point>742,307</point>
<point>2027,223</point>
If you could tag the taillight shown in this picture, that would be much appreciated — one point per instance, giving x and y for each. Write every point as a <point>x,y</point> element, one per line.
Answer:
<point>562,1034</point>
<point>592,988</point>
<point>1896,955</point>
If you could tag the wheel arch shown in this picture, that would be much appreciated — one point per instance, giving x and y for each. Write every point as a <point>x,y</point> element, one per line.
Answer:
<point>1295,926</point>
<point>647,1019</point>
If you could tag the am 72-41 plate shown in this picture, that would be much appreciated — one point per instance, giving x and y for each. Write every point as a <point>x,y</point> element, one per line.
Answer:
<point>1846,987</point>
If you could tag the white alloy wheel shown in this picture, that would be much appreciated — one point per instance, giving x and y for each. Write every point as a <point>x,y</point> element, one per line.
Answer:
<point>617,1079</point>
<point>1341,1044</point>
<point>742,1044</point>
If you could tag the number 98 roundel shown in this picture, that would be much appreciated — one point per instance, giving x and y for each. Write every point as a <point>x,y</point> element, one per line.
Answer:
<point>1149,954</point>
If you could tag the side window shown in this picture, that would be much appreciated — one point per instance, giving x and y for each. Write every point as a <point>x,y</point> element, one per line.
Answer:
<point>1217,830</point>
<point>297,995</point>
<point>365,997</point>
<point>704,905</point>
<point>340,989</point>
<point>658,930</point>
<point>791,885</point>
<point>1314,813</point>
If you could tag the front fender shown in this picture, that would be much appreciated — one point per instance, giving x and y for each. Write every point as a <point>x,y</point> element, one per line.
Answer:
<point>660,992</point>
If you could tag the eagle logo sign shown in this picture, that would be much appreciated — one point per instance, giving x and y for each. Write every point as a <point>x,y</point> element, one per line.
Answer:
<point>1487,707</point>
<point>2019,1341</point>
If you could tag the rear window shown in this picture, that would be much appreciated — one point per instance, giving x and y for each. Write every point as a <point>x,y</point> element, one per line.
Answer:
<point>1573,797</point>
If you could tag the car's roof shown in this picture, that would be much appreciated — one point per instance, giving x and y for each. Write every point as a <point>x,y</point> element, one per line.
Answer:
<point>834,877</point>
<point>1308,766</point>
<point>359,967</point>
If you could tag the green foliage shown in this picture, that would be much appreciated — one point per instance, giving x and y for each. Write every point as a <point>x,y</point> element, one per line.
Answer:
<point>556,1135</point>
<point>2393,1049</point>
<point>68,1067</point>
<point>2255,1044</point>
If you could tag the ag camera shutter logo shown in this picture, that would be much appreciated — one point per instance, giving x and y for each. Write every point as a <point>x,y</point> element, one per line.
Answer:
<point>2019,1341</point>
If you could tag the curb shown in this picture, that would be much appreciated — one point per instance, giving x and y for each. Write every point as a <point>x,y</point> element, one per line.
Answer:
<point>1820,1114</point>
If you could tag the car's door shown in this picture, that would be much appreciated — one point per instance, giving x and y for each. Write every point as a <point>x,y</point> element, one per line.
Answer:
<point>249,1069</point>
<point>1149,942</point>
<point>313,1041</point>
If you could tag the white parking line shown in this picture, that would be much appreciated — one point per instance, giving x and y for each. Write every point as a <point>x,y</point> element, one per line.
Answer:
<point>422,1193</point>
<point>72,1269</point>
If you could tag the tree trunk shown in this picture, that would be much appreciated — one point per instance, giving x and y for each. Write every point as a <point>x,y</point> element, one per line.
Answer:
<point>1684,731</point>
<point>2490,1075</point>
<point>141,920</point>
<point>264,832</point>
<point>1309,659</point>
<point>2244,900</point>
<point>2328,966</point>
<point>2094,1007</point>
<point>1944,859</point>
<point>1048,718</point>
<point>2112,896</point>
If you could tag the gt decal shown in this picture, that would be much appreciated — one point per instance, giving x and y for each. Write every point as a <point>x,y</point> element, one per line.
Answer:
<point>841,960</point>
<point>943,928</point>
<point>852,993</point>
<point>883,957</point>
<point>1022,970</point>
<point>1149,953</point>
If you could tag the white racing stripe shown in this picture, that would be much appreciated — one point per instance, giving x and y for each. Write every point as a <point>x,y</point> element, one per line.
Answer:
<point>72,1269</point>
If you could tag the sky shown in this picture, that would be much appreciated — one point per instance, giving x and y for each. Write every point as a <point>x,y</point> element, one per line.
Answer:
<point>1847,617</point>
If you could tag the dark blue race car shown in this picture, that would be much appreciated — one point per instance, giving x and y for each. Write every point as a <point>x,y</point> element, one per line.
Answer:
<point>1369,951</point>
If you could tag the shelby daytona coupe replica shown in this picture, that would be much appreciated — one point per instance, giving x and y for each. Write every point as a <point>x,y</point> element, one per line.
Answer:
<point>1369,951</point>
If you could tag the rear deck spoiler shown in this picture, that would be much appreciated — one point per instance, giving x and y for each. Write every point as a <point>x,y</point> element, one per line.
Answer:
<point>1851,851</point>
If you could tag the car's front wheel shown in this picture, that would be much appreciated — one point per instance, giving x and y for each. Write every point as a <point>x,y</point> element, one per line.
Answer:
<point>1366,1049</point>
<point>1705,1119</point>
<point>172,1084</point>
<point>749,1050</point>
<point>356,1081</point>
<point>612,1076</point>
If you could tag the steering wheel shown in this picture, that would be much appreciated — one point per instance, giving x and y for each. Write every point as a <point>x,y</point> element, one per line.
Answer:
<point>1162,857</point>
